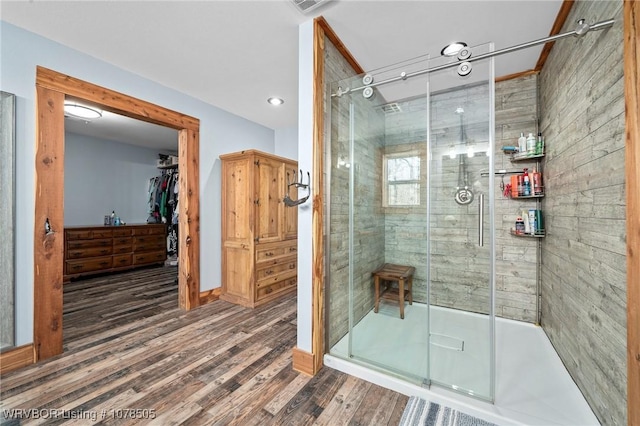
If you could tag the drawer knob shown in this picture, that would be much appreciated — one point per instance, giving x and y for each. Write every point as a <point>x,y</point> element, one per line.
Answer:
<point>268,272</point>
<point>292,266</point>
<point>292,249</point>
<point>269,253</point>
<point>76,267</point>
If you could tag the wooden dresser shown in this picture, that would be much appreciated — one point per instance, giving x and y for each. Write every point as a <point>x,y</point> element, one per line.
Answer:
<point>96,249</point>
<point>259,233</point>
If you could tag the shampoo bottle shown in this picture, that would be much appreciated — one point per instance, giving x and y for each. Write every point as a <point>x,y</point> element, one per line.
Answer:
<point>531,145</point>
<point>539,150</point>
<point>526,186</point>
<point>522,143</point>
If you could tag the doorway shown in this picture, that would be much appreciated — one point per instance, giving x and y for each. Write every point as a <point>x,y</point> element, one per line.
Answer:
<point>51,90</point>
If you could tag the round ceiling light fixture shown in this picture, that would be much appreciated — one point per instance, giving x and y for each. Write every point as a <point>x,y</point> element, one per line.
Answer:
<point>452,49</point>
<point>81,111</point>
<point>275,101</point>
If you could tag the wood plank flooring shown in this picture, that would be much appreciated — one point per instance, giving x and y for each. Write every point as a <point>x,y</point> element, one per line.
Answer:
<point>132,357</point>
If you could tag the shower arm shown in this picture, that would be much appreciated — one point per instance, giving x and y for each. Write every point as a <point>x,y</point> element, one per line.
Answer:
<point>580,31</point>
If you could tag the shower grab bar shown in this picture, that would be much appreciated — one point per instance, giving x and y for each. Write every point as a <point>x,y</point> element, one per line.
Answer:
<point>481,221</point>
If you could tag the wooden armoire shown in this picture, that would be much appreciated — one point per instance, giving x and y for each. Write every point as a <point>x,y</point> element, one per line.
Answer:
<point>259,233</point>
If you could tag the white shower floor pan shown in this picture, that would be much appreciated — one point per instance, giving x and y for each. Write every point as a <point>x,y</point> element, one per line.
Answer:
<point>532,385</point>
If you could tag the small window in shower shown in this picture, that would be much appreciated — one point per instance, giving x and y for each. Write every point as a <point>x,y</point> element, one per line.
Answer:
<point>401,179</point>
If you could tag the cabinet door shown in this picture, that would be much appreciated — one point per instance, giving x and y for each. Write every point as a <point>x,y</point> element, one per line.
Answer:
<point>269,186</point>
<point>237,205</point>
<point>290,225</point>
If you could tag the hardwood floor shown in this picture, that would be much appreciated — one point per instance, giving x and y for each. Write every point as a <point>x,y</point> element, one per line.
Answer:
<point>132,357</point>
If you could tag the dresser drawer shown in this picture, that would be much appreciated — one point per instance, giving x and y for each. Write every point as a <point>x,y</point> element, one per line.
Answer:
<point>78,235</point>
<point>151,257</point>
<point>149,230</point>
<point>264,289</point>
<point>80,244</point>
<point>101,233</point>
<point>88,234</point>
<point>88,252</point>
<point>277,268</point>
<point>122,260</point>
<point>122,241</point>
<point>273,251</point>
<point>123,249</point>
<point>149,245</point>
<point>149,239</point>
<point>122,232</point>
<point>88,265</point>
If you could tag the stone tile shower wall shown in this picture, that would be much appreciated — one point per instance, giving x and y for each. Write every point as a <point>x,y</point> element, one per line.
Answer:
<point>516,104</point>
<point>368,218</point>
<point>459,274</point>
<point>460,270</point>
<point>583,255</point>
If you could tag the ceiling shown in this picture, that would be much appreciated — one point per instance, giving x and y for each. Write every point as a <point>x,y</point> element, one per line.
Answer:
<point>236,54</point>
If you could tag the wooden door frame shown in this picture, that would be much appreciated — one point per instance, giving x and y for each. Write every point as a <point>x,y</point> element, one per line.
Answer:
<point>631,33</point>
<point>51,90</point>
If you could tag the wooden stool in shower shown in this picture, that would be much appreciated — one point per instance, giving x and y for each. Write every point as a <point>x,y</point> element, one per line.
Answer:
<point>389,273</point>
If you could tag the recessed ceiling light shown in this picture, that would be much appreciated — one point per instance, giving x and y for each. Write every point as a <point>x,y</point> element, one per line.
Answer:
<point>275,101</point>
<point>453,48</point>
<point>81,111</point>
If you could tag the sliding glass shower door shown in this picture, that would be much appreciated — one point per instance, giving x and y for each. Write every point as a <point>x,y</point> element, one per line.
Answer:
<point>460,217</point>
<point>409,166</point>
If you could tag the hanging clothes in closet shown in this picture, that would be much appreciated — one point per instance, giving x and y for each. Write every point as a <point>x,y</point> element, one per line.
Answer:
<point>162,203</point>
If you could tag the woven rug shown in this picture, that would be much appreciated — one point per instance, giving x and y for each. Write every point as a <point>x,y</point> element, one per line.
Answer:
<point>419,412</point>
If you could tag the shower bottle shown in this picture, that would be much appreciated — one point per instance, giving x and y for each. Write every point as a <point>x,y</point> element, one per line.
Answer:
<point>522,143</point>
<point>531,145</point>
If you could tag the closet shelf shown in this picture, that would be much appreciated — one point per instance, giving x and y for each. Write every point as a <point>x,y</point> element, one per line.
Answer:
<point>170,166</point>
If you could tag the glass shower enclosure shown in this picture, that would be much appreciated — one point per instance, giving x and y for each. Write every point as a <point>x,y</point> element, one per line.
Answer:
<point>409,166</point>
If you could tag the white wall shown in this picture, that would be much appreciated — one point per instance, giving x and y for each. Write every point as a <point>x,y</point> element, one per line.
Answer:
<point>286,142</point>
<point>102,176</point>
<point>305,162</point>
<point>21,52</point>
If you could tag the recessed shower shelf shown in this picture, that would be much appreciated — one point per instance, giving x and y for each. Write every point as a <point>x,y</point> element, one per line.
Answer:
<point>538,234</point>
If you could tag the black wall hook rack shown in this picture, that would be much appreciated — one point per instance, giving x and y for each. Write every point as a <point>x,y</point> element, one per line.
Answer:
<point>297,184</point>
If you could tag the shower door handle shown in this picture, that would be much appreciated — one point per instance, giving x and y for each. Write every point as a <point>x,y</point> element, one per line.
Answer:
<point>481,220</point>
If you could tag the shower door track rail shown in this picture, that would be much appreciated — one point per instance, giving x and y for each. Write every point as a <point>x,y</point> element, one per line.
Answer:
<point>403,76</point>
